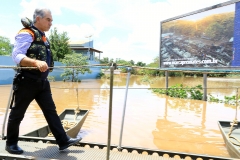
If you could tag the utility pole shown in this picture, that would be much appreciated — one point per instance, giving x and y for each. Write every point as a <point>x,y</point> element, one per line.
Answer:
<point>88,52</point>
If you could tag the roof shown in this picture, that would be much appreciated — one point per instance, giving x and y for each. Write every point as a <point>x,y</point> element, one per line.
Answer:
<point>85,48</point>
<point>79,43</point>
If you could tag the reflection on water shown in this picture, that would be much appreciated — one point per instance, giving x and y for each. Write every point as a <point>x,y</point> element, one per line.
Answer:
<point>151,121</point>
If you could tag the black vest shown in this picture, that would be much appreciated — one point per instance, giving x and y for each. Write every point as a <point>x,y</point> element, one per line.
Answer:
<point>38,50</point>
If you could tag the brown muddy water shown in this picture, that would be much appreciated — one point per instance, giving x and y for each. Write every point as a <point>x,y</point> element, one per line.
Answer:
<point>151,121</point>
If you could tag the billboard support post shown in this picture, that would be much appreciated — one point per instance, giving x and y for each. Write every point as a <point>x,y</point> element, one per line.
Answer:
<point>205,86</point>
<point>166,81</point>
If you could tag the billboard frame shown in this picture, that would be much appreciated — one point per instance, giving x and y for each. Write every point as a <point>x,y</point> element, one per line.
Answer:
<point>206,69</point>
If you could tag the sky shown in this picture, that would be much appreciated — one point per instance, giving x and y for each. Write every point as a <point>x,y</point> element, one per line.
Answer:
<point>125,29</point>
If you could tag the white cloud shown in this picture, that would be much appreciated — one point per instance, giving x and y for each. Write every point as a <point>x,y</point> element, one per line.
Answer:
<point>76,32</point>
<point>29,7</point>
<point>185,6</point>
<point>116,48</point>
<point>9,35</point>
<point>2,32</point>
<point>143,22</point>
<point>87,7</point>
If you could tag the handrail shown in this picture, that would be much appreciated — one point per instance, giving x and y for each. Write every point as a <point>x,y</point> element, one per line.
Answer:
<point>106,66</point>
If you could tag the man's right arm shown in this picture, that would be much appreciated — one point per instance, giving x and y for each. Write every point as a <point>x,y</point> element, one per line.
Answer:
<point>22,42</point>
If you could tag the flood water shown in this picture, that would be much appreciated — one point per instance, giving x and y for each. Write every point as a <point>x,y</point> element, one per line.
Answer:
<point>151,121</point>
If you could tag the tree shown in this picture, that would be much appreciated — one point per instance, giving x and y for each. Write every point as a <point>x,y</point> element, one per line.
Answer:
<point>5,46</point>
<point>59,45</point>
<point>141,64</point>
<point>155,62</point>
<point>105,60</point>
<point>125,64</point>
<point>74,60</point>
<point>132,62</point>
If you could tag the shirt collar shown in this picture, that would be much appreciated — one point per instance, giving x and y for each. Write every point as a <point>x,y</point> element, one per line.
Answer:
<point>42,33</point>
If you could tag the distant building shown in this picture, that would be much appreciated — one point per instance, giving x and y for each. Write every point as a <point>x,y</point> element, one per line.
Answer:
<point>85,48</point>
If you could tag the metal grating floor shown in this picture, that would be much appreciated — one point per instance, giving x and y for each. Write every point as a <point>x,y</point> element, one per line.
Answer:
<point>44,151</point>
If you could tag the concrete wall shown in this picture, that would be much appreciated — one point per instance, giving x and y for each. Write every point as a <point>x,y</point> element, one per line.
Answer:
<point>6,75</point>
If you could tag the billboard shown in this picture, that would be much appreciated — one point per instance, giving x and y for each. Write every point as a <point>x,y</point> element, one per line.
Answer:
<point>207,38</point>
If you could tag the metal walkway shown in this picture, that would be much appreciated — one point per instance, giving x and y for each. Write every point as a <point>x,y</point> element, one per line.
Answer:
<point>47,151</point>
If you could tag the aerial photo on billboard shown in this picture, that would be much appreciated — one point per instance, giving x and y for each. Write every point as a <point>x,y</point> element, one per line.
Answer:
<point>205,39</point>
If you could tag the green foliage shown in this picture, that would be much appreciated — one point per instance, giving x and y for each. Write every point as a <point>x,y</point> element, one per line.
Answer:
<point>141,71</point>
<point>131,62</point>
<point>141,64</point>
<point>154,71</point>
<point>146,79</point>
<point>100,75</point>
<point>51,78</point>
<point>59,45</point>
<point>211,98</point>
<point>233,75</point>
<point>150,72</point>
<point>155,63</point>
<point>5,46</point>
<point>176,74</point>
<point>122,62</point>
<point>105,60</point>
<point>106,76</point>
<point>177,91</point>
<point>230,100</point>
<point>227,99</point>
<point>190,74</point>
<point>160,91</point>
<point>74,60</point>
<point>195,92</point>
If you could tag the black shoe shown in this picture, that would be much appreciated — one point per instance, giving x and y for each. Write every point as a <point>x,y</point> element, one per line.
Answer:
<point>69,143</point>
<point>14,149</point>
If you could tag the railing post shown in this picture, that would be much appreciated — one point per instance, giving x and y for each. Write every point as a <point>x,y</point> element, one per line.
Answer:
<point>6,112</point>
<point>124,108</point>
<point>110,112</point>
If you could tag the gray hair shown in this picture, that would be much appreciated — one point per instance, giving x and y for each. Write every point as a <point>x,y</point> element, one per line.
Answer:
<point>39,13</point>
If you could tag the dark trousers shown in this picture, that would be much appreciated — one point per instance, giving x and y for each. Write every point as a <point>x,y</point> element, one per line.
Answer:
<point>29,90</point>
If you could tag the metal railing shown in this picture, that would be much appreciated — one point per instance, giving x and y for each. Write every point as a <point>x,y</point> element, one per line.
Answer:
<point>108,145</point>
